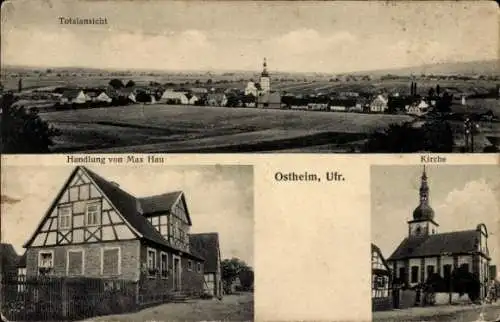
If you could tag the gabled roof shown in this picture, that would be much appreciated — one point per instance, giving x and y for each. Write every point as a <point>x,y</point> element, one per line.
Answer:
<point>458,242</point>
<point>127,205</point>
<point>163,203</point>
<point>8,257</point>
<point>207,246</point>
<point>379,252</point>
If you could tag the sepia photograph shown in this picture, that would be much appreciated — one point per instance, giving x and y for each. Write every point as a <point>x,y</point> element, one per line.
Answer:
<point>435,243</point>
<point>127,243</point>
<point>250,76</point>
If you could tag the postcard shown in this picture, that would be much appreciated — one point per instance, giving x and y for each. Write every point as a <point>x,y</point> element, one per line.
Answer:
<point>244,161</point>
<point>250,76</point>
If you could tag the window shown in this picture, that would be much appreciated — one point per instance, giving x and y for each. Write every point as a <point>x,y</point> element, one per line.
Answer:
<point>446,272</point>
<point>198,267</point>
<point>430,270</point>
<point>151,262</point>
<point>414,274</point>
<point>110,261</point>
<point>164,264</point>
<point>92,214</point>
<point>75,263</point>
<point>402,275</point>
<point>190,265</point>
<point>45,262</point>
<point>65,217</point>
<point>465,267</point>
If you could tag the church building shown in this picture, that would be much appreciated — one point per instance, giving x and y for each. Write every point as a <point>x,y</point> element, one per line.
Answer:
<point>263,86</point>
<point>427,251</point>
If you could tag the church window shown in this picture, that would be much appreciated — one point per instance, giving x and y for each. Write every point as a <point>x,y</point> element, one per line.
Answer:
<point>447,271</point>
<point>414,274</point>
<point>430,270</point>
<point>418,230</point>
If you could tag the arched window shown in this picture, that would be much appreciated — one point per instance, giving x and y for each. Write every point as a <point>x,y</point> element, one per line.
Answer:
<point>418,230</point>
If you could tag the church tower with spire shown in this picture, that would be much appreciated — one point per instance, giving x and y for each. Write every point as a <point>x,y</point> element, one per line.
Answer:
<point>423,223</point>
<point>265,81</point>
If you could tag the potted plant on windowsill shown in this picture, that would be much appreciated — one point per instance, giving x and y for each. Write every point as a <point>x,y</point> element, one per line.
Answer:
<point>152,271</point>
<point>44,270</point>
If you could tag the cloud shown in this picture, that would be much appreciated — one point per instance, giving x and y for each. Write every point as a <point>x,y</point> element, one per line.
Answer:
<point>306,41</point>
<point>464,208</point>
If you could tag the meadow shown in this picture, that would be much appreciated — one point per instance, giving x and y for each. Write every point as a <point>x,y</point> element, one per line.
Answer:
<point>175,128</point>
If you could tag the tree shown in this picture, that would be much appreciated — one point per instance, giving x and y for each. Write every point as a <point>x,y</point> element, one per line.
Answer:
<point>24,131</point>
<point>434,136</point>
<point>116,83</point>
<point>231,269</point>
<point>465,282</point>
<point>246,278</point>
<point>143,97</point>
<point>130,83</point>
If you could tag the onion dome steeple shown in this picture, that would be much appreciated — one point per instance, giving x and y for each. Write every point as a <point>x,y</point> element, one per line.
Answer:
<point>423,210</point>
<point>264,69</point>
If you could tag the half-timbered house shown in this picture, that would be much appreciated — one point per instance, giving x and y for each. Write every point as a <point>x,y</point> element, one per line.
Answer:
<point>381,281</point>
<point>93,228</point>
<point>207,245</point>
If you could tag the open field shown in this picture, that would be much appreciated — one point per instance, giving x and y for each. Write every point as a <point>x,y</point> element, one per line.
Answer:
<point>172,128</point>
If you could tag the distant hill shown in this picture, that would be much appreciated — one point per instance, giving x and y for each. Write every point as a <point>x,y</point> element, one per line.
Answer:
<point>482,67</point>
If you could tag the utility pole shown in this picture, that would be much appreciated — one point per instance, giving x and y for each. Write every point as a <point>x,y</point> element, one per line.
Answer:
<point>471,128</point>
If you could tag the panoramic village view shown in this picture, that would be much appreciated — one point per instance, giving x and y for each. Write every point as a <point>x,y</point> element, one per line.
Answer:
<point>445,266</point>
<point>325,84</point>
<point>101,253</point>
<point>102,111</point>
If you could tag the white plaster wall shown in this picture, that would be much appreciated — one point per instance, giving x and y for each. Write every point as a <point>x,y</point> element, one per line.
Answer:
<point>465,259</point>
<point>446,260</point>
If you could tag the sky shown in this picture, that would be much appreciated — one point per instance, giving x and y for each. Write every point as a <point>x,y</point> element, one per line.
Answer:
<point>462,197</point>
<point>331,37</point>
<point>219,198</point>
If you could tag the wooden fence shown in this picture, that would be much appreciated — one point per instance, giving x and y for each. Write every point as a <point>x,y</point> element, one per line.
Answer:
<point>56,298</point>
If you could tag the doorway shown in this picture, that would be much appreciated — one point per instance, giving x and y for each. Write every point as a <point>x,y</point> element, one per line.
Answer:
<point>177,269</point>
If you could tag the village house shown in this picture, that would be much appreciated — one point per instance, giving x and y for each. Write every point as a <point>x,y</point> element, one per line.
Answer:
<point>379,104</point>
<point>99,96</point>
<point>381,281</point>
<point>251,89</point>
<point>8,260</point>
<point>216,99</point>
<point>425,251</point>
<point>73,96</point>
<point>123,95</point>
<point>173,97</point>
<point>93,228</point>
<point>417,108</point>
<point>269,100</point>
<point>207,245</point>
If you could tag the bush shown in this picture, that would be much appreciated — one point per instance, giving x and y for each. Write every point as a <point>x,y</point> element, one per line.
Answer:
<point>24,131</point>
<point>434,136</point>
